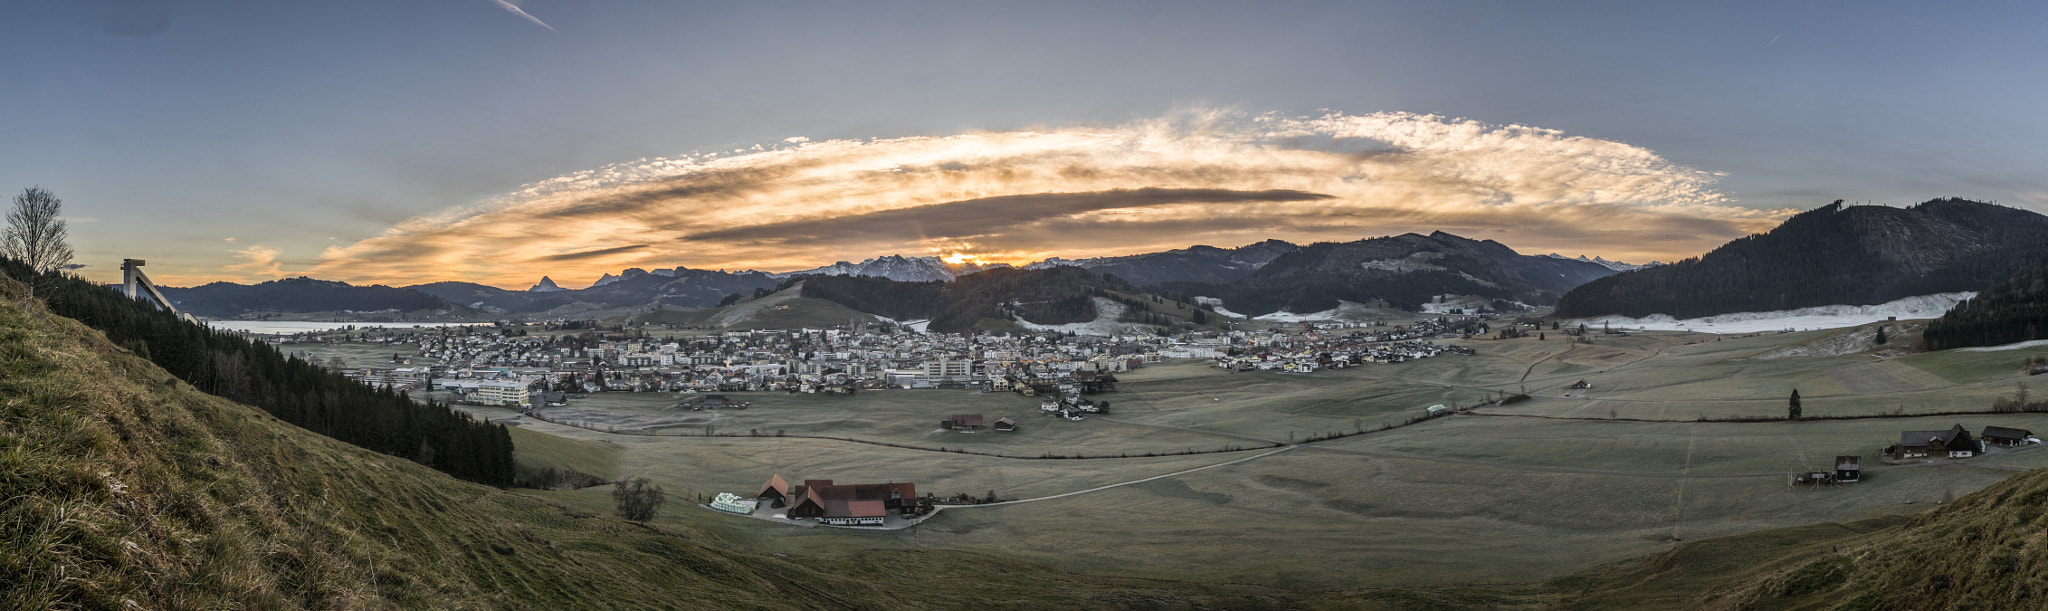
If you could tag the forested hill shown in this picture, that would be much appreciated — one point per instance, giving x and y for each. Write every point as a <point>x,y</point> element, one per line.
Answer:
<point>2012,310</point>
<point>1405,270</point>
<point>289,388</point>
<point>1050,296</point>
<point>301,295</point>
<point>1204,264</point>
<point>1832,255</point>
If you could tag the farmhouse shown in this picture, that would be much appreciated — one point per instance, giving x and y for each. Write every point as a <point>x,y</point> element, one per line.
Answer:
<point>962,422</point>
<point>1848,468</point>
<point>1954,443</point>
<point>776,491</point>
<point>1006,424</point>
<point>2006,437</point>
<point>853,504</point>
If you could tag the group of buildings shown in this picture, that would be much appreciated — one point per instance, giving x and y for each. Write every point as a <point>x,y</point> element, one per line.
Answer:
<point>496,366</point>
<point>1956,442</point>
<point>842,504</point>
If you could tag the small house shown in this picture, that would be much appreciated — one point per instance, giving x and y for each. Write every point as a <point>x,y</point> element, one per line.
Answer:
<point>1005,424</point>
<point>963,422</point>
<point>1848,468</point>
<point>2003,436</point>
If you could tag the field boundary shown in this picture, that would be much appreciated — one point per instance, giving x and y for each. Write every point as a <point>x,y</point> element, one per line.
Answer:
<point>1758,419</point>
<point>941,449</point>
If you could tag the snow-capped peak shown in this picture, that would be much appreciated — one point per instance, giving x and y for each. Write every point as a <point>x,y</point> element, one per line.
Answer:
<point>1613,265</point>
<point>547,285</point>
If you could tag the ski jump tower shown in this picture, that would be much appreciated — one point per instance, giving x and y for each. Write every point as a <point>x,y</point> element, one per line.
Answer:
<point>132,276</point>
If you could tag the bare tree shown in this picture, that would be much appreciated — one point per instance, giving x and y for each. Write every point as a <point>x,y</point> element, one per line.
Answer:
<point>35,235</point>
<point>637,499</point>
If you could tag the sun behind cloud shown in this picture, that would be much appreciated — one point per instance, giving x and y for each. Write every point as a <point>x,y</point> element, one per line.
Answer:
<point>1204,177</point>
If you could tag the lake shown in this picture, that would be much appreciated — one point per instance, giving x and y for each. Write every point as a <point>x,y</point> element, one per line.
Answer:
<point>288,327</point>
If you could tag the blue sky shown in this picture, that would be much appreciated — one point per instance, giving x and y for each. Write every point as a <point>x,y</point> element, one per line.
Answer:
<point>308,132</point>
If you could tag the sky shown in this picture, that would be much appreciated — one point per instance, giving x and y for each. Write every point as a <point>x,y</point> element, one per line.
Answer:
<point>499,141</point>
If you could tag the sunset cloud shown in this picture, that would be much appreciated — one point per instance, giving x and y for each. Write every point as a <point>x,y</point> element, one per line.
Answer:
<point>1193,178</point>
<point>258,260</point>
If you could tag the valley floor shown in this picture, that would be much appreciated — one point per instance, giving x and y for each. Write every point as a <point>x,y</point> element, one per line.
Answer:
<point>1566,480</point>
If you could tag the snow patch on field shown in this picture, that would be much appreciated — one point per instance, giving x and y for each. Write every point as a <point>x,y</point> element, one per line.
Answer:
<point>1820,317</point>
<point>2017,346</point>
<point>1286,316</point>
<point>1468,304</point>
<point>1850,341</point>
<point>1104,325</point>
<point>919,326</point>
<point>1216,305</point>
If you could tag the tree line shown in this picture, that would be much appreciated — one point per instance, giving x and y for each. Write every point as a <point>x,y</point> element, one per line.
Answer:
<point>2013,310</point>
<point>292,389</point>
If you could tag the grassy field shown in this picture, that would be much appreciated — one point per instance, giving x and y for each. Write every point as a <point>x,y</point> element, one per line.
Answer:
<point>1507,494</point>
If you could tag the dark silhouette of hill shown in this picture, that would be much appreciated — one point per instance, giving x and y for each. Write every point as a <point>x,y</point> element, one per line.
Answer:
<point>300,295</point>
<point>1406,270</point>
<point>681,288</point>
<point>1050,296</point>
<point>1196,264</point>
<point>1860,255</point>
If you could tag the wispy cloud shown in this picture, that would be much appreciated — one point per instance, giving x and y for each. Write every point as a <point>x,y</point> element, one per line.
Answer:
<point>1194,177</point>
<point>259,260</point>
<point>514,8</point>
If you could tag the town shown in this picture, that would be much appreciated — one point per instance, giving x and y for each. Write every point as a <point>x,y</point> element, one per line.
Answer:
<point>539,365</point>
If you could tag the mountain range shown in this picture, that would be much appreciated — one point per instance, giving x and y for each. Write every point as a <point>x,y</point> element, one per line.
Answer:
<point>1613,265</point>
<point>1404,271</point>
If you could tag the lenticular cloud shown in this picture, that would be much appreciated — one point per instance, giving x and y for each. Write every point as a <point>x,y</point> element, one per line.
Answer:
<point>1196,177</point>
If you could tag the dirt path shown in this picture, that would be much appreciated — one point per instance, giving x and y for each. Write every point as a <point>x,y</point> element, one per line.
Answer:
<point>1678,503</point>
<point>1532,366</point>
<point>1119,484</point>
<point>1182,428</point>
<point>1864,379</point>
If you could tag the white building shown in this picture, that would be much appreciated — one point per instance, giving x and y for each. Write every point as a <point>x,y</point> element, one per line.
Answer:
<point>500,392</point>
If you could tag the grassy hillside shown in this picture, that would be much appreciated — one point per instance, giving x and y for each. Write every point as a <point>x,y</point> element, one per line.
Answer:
<point>121,484</point>
<point>1986,550</point>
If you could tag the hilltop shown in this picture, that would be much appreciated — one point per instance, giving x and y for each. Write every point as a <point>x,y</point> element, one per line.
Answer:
<point>1832,255</point>
<point>1406,271</point>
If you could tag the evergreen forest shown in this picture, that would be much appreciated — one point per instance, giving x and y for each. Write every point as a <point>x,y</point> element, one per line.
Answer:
<point>294,390</point>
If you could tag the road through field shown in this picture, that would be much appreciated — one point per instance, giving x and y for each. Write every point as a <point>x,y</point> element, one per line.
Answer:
<point>1118,484</point>
<point>1864,379</point>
